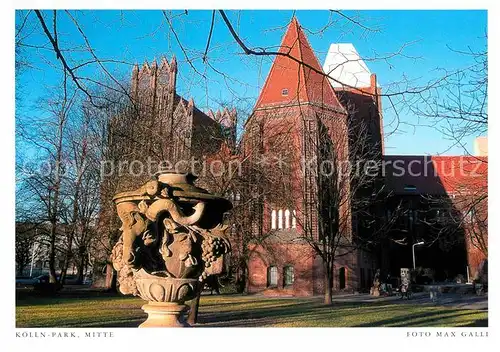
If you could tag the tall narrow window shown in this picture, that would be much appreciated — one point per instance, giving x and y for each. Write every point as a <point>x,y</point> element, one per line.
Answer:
<point>288,275</point>
<point>287,219</point>
<point>280,219</point>
<point>294,220</point>
<point>342,278</point>
<point>272,276</point>
<point>273,219</point>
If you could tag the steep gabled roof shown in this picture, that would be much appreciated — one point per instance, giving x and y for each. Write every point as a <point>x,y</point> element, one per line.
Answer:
<point>302,83</point>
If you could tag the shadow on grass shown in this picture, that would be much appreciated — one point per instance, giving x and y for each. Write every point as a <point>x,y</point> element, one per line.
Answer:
<point>31,298</point>
<point>119,323</point>
<point>255,311</point>
<point>316,314</point>
<point>416,319</point>
<point>478,323</point>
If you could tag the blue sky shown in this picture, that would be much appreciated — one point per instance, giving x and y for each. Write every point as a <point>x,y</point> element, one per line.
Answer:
<point>135,36</point>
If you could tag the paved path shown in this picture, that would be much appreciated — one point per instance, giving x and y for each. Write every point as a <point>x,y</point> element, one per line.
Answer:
<point>454,300</point>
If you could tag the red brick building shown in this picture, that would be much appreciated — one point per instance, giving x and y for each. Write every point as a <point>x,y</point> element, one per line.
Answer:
<point>444,202</point>
<point>184,130</point>
<point>155,128</point>
<point>297,104</point>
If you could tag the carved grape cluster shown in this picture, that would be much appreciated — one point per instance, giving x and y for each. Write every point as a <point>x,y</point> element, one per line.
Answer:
<point>212,248</point>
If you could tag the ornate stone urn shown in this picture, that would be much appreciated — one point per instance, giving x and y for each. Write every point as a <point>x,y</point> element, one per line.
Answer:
<point>172,239</point>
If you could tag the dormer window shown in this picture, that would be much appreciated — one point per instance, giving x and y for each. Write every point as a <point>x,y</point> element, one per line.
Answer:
<point>284,92</point>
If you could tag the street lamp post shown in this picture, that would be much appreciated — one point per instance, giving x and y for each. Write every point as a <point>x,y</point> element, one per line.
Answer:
<point>413,251</point>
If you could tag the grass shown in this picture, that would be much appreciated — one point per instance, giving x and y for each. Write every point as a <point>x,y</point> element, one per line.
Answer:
<point>104,310</point>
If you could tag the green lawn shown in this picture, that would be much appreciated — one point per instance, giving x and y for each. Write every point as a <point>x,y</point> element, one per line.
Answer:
<point>102,310</point>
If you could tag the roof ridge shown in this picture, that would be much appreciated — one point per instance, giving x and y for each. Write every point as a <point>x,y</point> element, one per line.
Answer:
<point>320,67</point>
<point>281,46</point>
<point>288,71</point>
<point>302,71</point>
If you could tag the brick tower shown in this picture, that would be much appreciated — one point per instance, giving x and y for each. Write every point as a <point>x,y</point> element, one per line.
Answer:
<point>297,119</point>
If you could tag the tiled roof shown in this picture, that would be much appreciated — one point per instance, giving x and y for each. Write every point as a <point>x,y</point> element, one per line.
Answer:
<point>290,81</point>
<point>435,175</point>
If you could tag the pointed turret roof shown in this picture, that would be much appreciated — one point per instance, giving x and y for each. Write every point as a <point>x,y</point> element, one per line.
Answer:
<point>296,77</point>
<point>347,67</point>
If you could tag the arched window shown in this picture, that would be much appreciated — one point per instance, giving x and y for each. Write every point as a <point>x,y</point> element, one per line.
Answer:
<point>342,278</point>
<point>272,276</point>
<point>273,219</point>
<point>287,219</point>
<point>294,220</point>
<point>288,276</point>
<point>280,219</point>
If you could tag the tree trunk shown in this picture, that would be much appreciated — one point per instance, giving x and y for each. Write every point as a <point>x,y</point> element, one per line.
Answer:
<point>109,275</point>
<point>20,270</point>
<point>81,262</point>
<point>328,286</point>
<point>52,255</point>
<point>64,272</point>
<point>85,269</point>
<point>195,304</point>
<point>67,259</point>
<point>111,278</point>
<point>80,271</point>
<point>241,279</point>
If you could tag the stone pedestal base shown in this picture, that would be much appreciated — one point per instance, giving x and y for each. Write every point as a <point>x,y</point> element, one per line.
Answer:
<point>164,315</point>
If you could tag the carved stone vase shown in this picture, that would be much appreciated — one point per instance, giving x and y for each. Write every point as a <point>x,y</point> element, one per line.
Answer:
<point>172,239</point>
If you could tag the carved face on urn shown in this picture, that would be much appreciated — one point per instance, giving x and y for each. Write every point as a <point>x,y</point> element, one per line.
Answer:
<point>134,225</point>
<point>179,250</point>
<point>170,229</point>
<point>172,239</point>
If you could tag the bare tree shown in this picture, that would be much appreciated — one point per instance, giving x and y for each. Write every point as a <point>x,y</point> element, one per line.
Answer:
<point>61,180</point>
<point>47,184</point>
<point>130,130</point>
<point>458,106</point>
<point>26,241</point>
<point>458,109</point>
<point>348,196</point>
<point>461,215</point>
